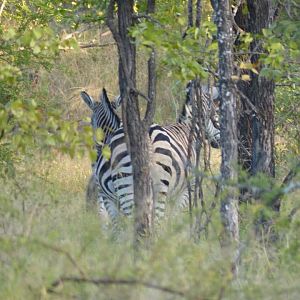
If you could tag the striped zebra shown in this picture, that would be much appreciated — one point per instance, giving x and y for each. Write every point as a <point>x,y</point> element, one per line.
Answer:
<point>104,116</point>
<point>169,156</point>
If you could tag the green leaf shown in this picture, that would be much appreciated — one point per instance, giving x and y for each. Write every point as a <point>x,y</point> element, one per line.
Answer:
<point>93,155</point>
<point>106,152</point>
<point>99,135</point>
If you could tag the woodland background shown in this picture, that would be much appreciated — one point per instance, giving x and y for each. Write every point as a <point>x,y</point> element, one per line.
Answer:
<point>49,52</point>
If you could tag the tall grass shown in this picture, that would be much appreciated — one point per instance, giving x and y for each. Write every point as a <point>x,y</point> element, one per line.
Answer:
<point>45,232</point>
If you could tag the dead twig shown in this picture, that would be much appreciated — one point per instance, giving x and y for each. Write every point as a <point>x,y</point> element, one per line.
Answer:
<point>110,281</point>
<point>79,31</point>
<point>293,212</point>
<point>249,103</point>
<point>94,45</point>
<point>287,186</point>
<point>147,17</point>
<point>2,8</point>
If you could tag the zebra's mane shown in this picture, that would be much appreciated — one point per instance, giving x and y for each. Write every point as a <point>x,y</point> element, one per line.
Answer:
<point>186,111</point>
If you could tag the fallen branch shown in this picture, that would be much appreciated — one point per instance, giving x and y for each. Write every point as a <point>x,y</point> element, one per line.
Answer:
<point>109,281</point>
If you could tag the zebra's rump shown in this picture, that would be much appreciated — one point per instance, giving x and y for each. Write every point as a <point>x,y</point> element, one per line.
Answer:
<point>168,155</point>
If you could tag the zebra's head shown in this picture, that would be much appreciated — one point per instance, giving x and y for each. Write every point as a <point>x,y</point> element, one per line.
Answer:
<point>103,113</point>
<point>210,111</point>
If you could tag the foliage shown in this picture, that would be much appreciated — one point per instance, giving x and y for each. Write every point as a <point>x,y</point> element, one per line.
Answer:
<point>28,43</point>
<point>180,56</point>
<point>43,224</point>
<point>42,215</point>
<point>287,120</point>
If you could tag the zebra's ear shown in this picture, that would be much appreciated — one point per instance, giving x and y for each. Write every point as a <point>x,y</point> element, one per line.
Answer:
<point>88,99</point>
<point>116,103</point>
<point>104,98</point>
<point>215,93</point>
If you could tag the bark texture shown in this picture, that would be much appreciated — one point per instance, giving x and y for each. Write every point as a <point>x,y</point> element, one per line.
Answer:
<point>229,203</point>
<point>256,129</point>
<point>136,129</point>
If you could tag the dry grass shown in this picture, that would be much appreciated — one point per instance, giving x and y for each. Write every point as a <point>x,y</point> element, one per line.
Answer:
<point>64,172</point>
<point>92,69</point>
<point>43,221</point>
<point>44,229</point>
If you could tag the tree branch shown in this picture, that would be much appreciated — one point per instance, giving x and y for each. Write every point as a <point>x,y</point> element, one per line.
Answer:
<point>249,103</point>
<point>198,13</point>
<point>293,212</point>
<point>139,93</point>
<point>190,13</point>
<point>287,186</point>
<point>236,7</point>
<point>70,35</point>
<point>147,17</point>
<point>93,45</point>
<point>150,110</point>
<point>109,281</point>
<point>2,8</point>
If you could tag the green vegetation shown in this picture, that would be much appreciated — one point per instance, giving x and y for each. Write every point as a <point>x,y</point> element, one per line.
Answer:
<point>45,155</point>
<point>44,227</point>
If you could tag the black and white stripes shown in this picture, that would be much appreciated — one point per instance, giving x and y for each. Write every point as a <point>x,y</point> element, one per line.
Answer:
<point>104,117</point>
<point>169,155</point>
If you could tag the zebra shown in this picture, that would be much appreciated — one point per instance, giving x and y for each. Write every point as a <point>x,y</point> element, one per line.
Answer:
<point>104,116</point>
<point>169,145</point>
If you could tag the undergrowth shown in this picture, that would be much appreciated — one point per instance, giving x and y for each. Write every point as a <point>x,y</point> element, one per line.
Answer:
<point>46,234</point>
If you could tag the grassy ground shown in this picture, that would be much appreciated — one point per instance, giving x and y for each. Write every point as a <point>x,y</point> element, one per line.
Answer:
<point>45,232</point>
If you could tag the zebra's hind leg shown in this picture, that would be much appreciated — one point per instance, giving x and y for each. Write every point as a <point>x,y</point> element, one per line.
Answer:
<point>159,204</point>
<point>101,209</point>
<point>114,215</point>
<point>102,213</point>
<point>92,194</point>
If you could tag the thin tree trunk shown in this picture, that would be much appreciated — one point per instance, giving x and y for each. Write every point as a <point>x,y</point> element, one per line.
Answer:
<point>190,13</point>
<point>198,13</point>
<point>229,203</point>
<point>136,129</point>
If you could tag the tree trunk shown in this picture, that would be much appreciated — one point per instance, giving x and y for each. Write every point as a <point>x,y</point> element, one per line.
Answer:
<point>256,131</point>
<point>190,13</point>
<point>136,129</point>
<point>198,13</point>
<point>229,203</point>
